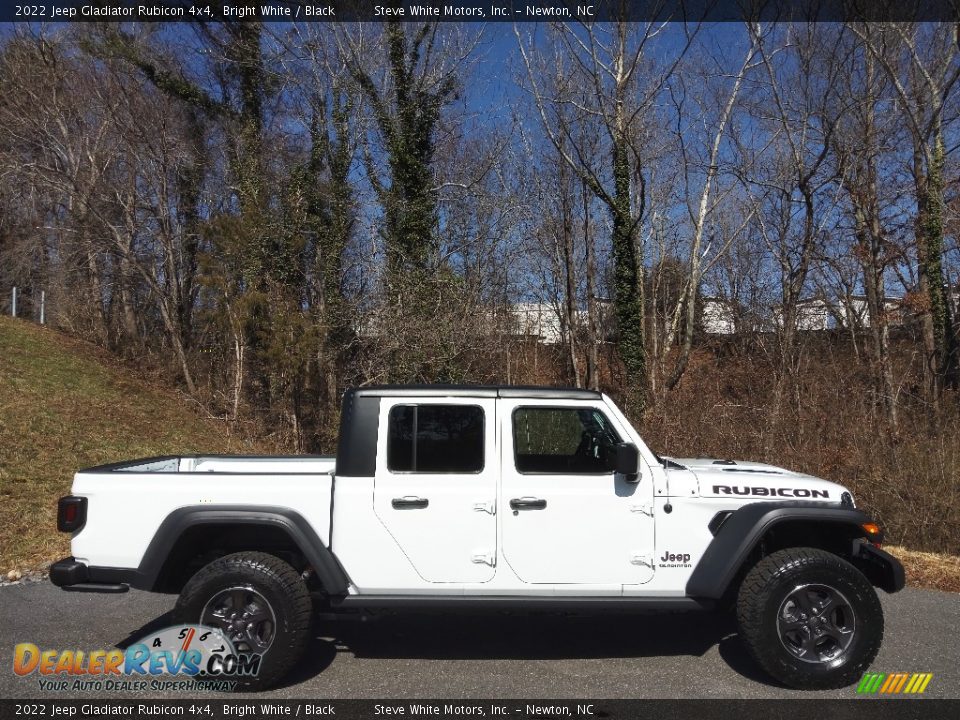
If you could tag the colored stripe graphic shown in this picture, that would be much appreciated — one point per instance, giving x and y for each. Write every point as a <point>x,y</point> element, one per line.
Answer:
<point>894,683</point>
<point>901,683</point>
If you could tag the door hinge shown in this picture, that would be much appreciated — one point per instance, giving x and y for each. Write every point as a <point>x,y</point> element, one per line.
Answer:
<point>645,508</point>
<point>484,558</point>
<point>487,507</point>
<point>644,560</point>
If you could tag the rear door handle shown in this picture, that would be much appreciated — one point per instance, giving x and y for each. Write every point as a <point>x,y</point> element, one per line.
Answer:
<point>528,503</point>
<point>409,502</point>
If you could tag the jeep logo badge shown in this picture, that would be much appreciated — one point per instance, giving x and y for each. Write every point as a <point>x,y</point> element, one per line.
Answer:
<point>670,559</point>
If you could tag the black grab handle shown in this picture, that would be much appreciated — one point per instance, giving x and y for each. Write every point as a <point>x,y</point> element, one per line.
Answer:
<point>409,503</point>
<point>526,503</point>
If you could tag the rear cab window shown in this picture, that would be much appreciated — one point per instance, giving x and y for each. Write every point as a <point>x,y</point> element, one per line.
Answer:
<point>435,438</point>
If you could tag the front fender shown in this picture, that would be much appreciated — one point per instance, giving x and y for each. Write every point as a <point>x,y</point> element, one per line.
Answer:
<point>742,531</point>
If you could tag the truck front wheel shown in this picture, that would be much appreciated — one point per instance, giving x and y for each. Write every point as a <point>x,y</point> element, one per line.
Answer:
<point>810,618</point>
<point>261,605</point>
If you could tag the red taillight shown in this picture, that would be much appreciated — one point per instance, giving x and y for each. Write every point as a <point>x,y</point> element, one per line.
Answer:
<point>71,513</point>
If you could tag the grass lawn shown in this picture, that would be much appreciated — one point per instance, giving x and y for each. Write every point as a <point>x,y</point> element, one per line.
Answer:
<point>64,405</point>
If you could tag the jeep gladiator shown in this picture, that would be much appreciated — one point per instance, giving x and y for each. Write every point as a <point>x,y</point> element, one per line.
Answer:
<point>471,497</point>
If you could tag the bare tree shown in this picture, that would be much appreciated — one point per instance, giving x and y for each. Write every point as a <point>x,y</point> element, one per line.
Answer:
<point>705,171</point>
<point>63,147</point>
<point>864,135</point>
<point>408,77</point>
<point>788,171</point>
<point>620,84</point>
<point>923,66</point>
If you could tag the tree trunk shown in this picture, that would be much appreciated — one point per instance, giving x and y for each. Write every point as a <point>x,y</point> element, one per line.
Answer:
<point>130,327</point>
<point>238,359</point>
<point>692,289</point>
<point>627,292</point>
<point>944,340</point>
<point>569,275</point>
<point>593,339</point>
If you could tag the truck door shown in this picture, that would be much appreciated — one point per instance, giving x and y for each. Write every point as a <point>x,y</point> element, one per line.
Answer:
<point>566,516</point>
<point>436,485</point>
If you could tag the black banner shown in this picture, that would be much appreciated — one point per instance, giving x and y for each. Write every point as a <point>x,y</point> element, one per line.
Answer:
<point>478,10</point>
<point>253,706</point>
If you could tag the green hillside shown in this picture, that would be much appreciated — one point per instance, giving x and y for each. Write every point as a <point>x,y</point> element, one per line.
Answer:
<point>65,404</point>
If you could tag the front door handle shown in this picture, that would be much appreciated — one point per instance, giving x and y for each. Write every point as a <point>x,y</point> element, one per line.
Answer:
<point>409,502</point>
<point>528,503</point>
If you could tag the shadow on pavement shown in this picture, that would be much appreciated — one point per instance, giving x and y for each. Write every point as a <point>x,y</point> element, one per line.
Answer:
<point>527,637</point>
<point>155,625</point>
<point>318,655</point>
<point>735,655</point>
<point>538,636</point>
<point>316,658</point>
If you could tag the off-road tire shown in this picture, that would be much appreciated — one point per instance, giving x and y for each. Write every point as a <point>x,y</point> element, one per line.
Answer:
<point>764,594</point>
<point>279,584</point>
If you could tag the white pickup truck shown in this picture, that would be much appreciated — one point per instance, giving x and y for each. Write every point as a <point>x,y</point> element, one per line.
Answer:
<point>446,497</point>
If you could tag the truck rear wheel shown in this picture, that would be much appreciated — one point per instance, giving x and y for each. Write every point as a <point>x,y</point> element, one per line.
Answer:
<point>260,603</point>
<point>810,618</point>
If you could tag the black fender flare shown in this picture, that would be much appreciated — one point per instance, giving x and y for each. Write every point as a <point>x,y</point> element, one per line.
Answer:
<point>743,529</point>
<point>300,532</point>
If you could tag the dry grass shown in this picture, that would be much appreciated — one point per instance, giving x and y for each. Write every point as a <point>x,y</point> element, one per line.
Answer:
<point>829,427</point>
<point>65,405</point>
<point>929,570</point>
<point>826,425</point>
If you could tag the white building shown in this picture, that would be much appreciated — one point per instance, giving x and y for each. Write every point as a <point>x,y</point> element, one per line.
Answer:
<point>819,313</point>
<point>538,320</point>
<point>719,317</point>
<point>542,321</point>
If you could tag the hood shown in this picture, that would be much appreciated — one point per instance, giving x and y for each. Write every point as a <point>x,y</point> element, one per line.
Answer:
<point>755,481</point>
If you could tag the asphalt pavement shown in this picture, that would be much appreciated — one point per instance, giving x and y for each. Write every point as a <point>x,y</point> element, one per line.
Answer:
<point>491,656</point>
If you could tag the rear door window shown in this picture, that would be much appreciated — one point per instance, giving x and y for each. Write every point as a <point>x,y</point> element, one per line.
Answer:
<point>435,439</point>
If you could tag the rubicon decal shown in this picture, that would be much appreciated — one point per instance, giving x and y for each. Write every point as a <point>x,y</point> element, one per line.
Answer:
<point>770,492</point>
<point>894,683</point>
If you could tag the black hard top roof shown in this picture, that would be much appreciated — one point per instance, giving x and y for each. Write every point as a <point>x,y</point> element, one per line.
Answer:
<point>504,391</point>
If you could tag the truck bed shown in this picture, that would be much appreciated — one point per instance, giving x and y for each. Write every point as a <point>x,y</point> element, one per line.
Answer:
<point>128,501</point>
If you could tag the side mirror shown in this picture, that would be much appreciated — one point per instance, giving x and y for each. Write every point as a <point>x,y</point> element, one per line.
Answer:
<point>628,462</point>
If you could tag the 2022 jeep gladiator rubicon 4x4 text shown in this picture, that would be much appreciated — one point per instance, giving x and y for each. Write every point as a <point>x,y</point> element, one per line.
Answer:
<point>446,497</point>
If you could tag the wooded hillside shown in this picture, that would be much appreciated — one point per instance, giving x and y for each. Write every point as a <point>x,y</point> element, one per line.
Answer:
<point>745,233</point>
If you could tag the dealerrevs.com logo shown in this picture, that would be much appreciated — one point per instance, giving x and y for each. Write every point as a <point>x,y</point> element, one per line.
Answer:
<point>182,657</point>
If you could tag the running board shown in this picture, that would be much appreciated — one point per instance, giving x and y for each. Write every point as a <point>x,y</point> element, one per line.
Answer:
<point>522,602</point>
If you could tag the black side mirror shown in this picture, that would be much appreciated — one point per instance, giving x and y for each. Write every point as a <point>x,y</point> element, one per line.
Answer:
<point>628,461</point>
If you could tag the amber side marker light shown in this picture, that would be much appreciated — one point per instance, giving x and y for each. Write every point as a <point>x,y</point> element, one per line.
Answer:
<point>874,531</point>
